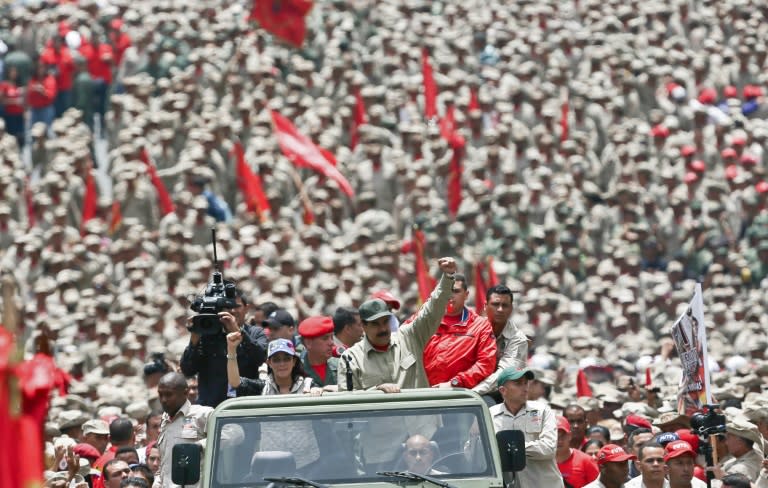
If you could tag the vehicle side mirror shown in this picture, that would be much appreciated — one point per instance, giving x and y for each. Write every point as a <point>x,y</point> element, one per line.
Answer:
<point>511,449</point>
<point>185,464</point>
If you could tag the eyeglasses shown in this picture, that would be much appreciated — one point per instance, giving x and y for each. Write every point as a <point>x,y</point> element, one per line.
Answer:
<point>419,452</point>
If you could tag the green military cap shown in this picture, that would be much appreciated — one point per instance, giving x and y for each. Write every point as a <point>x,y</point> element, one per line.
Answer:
<point>374,309</point>
<point>512,374</point>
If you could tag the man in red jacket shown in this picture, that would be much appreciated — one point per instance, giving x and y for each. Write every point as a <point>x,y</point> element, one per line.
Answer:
<point>463,350</point>
<point>57,57</point>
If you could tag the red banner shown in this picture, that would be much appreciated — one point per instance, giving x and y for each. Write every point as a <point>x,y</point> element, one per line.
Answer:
<point>115,218</point>
<point>480,288</point>
<point>582,385</point>
<point>430,87</point>
<point>302,152</point>
<point>424,281</point>
<point>90,199</point>
<point>163,198</point>
<point>449,132</point>
<point>283,18</point>
<point>250,186</point>
<point>358,119</point>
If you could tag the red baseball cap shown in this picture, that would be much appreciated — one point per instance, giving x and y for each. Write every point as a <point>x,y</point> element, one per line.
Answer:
<point>689,437</point>
<point>315,327</point>
<point>738,141</point>
<point>707,96</point>
<point>388,298</point>
<point>611,453</point>
<point>660,131</point>
<point>637,421</point>
<point>563,424</point>
<point>677,449</point>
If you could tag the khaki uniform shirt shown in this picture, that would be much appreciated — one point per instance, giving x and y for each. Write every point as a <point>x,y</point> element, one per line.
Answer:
<point>512,350</point>
<point>749,465</point>
<point>537,422</point>
<point>402,363</point>
<point>189,425</point>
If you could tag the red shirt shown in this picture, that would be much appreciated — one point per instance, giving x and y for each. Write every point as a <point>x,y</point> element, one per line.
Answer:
<point>13,103</point>
<point>41,98</point>
<point>99,60</point>
<point>120,42</point>
<point>64,64</point>
<point>108,455</point>
<point>463,347</point>
<point>579,469</point>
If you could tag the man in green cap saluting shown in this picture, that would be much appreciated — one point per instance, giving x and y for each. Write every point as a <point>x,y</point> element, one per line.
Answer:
<point>393,361</point>
<point>537,422</point>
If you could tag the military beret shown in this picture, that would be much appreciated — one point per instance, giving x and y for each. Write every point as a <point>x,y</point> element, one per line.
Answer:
<point>315,327</point>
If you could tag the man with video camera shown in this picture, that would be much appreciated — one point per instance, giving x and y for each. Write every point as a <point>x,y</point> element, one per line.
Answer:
<point>206,354</point>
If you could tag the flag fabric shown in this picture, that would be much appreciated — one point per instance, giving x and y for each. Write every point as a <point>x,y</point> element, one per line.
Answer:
<point>250,186</point>
<point>457,142</point>
<point>689,334</point>
<point>283,18</point>
<point>163,198</point>
<point>493,279</point>
<point>582,385</point>
<point>302,152</point>
<point>116,217</point>
<point>480,288</point>
<point>358,119</point>
<point>90,199</point>
<point>430,87</point>
<point>648,381</point>
<point>564,109</point>
<point>474,101</point>
<point>31,218</point>
<point>8,461</point>
<point>424,281</point>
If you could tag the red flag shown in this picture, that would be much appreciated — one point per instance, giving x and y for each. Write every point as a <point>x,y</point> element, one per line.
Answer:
<point>474,101</point>
<point>359,119</point>
<point>456,141</point>
<point>31,219</point>
<point>283,18</point>
<point>480,288</point>
<point>493,280</point>
<point>250,185</point>
<point>116,217</point>
<point>564,120</point>
<point>648,382</point>
<point>424,281</point>
<point>163,198</point>
<point>89,200</point>
<point>582,385</point>
<point>308,216</point>
<point>430,87</point>
<point>8,460</point>
<point>304,153</point>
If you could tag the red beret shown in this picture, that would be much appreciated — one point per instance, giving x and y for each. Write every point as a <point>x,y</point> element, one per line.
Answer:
<point>686,151</point>
<point>707,96</point>
<point>638,421</point>
<point>698,166</point>
<point>728,152</point>
<point>748,159</point>
<point>315,327</point>
<point>762,187</point>
<point>731,171</point>
<point>730,92</point>
<point>659,131</point>
<point>690,177</point>
<point>738,141</point>
<point>86,451</point>
<point>752,91</point>
<point>388,298</point>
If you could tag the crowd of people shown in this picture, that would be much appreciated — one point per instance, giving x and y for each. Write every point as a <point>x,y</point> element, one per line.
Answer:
<point>613,155</point>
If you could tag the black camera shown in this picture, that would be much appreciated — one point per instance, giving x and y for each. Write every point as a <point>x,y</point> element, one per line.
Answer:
<point>708,421</point>
<point>219,295</point>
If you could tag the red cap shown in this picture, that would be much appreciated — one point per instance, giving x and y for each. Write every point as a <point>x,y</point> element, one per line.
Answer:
<point>698,166</point>
<point>731,171</point>
<point>660,131</point>
<point>738,141</point>
<point>752,91</point>
<point>637,421</point>
<point>762,187</point>
<point>728,152</point>
<point>315,327</point>
<point>730,91</point>
<point>87,451</point>
<point>707,96</point>
<point>611,453</point>
<point>563,424</point>
<point>677,449</point>
<point>689,437</point>
<point>748,160</point>
<point>687,150</point>
<point>64,28</point>
<point>690,177</point>
<point>388,298</point>
<point>116,24</point>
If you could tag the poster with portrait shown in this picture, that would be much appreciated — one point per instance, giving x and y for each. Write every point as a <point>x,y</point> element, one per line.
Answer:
<point>689,334</point>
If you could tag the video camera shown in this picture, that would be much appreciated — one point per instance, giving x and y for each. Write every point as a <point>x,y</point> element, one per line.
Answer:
<point>219,295</point>
<point>708,421</point>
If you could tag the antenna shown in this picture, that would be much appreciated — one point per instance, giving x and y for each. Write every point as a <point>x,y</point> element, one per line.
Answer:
<point>215,257</point>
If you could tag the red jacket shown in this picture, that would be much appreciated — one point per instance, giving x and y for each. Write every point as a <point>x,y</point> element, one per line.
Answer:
<point>13,101</point>
<point>465,351</point>
<point>99,60</point>
<point>37,99</point>
<point>63,62</point>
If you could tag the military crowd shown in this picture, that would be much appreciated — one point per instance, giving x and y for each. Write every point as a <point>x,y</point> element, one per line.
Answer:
<point>614,156</point>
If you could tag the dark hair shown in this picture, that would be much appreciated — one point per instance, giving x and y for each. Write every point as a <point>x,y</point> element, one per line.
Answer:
<point>120,430</point>
<point>134,482</point>
<point>344,316</point>
<point>647,445</point>
<point>460,278</point>
<point>124,449</point>
<point>296,373</point>
<point>153,413</point>
<point>267,308</point>
<point>634,433</point>
<point>735,480</point>
<point>498,290</point>
<point>592,442</point>
<point>144,469</point>
<point>603,430</point>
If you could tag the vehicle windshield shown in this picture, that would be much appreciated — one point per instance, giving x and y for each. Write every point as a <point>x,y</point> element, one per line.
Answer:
<point>351,447</point>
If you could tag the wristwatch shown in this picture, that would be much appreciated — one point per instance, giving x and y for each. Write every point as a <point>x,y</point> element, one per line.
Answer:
<point>455,382</point>
<point>231,357</point>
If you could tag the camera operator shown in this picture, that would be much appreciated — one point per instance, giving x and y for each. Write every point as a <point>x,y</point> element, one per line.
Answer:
<point>206,355</point>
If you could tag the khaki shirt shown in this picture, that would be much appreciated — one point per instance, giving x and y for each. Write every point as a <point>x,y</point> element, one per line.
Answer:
<point>512,350</point>
<point>402,363</point>
<point>537,422</point>
<point>189,425</point>
<point>749,465</point>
